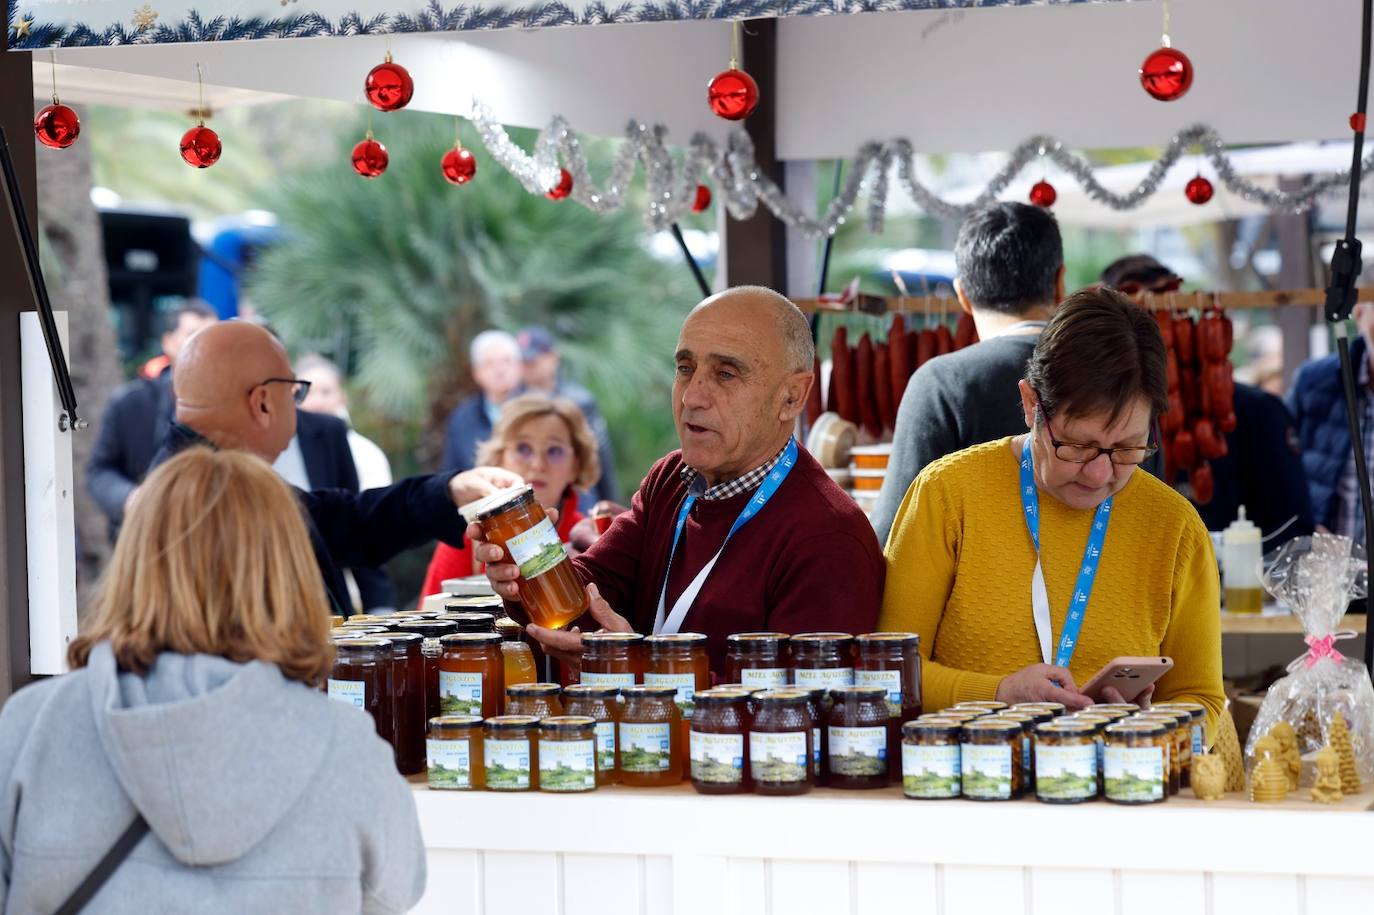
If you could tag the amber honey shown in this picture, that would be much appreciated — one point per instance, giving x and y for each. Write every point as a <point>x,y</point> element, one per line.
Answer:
<point>651,746</point>
<point>361,678</point>
<point>471,674</point>
<point>453,753</point>
<point>780,738</point>
<point>602,705</point>
<point>542,700</point>
<point>718,749</point>
<point>758,660</point>
<point>679,660</point>
<point>612,659</point>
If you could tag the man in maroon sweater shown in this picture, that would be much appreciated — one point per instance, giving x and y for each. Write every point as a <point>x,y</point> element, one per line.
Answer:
<point>807,561</point>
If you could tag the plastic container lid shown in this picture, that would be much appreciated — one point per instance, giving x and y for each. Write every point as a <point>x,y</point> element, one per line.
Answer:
<point>1242,530</point>
<point>494,504</point>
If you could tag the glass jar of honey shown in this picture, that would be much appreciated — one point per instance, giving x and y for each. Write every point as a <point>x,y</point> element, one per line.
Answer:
<point>472,621</point>
<point>407,700</point>
<point>818,703</point>
<point>857,737</point>
<point>567,753</point>
<point>757,660</point>
<point>602,705</point>
<point>990,759</point>
<point>432,630</point>
<point>538,699</point>
<point>780,742</point>
<point>362,678</point>
<point>1066,762</point>
<point>453,752</point>
<point>679,660</point>
<point>651,748</point>
<point>510,753</point>
<point>1180,739</point>
<point>892,660</point>
<point>987,706</point>
<point>612,658</point>
<point>517,657</point>
<point>822,660</point>
<point>1054,708</point>
<point>1197,731</point>
<point>1135,762</point>
<point>550,588</point>
<point>1099,725</point>
<point>471,674</point>
<point>1028,721</point>
<point>719,762</point>
<point>930,758</point>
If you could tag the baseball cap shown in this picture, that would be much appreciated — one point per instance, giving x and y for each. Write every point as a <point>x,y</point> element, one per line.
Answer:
<point>535,342</point>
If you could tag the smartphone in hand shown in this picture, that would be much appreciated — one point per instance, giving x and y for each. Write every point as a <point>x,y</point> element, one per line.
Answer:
<point>1128,676</point>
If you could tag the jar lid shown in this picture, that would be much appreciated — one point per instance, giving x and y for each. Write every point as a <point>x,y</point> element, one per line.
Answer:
<point>992,726</point>
<point>1068,728</point>
<point>1026,722</point>
<point>1025,714</point>
<point>473,602</point>
<point>640,691</point>
<point>362,643</point>
<point>495,504</point>
<point>1097,721</point>
<point>533,689</point>
<point>432,629</point>
<point>1170,721</point>
<point>400,638</point>
<point>355,632</point>
<point>454,724</point>
<point>675,640</point>
<point>756,640</point>
<point>417,614</point>
<point>508,627</point>
<point>990,705</point>
<point>599,638</point>
<point>1196,709</point>
<point>566,723</point>
<point>591,691</point>
<point>781,695</point>
<point>1055,708</point>
<point>722,695</point>
<point>822,638</point>
<point>885,639</point>
<point>1139,727</point>
<point>511,722</point>
<point>859,693</point>
<point>1129,707</point>
<point>963,714</point>
<point>474,621</point>
<point>943,727</point>
<point>470,639</point>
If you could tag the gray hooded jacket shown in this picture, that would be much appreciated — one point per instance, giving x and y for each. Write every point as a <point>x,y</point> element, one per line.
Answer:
<point>262,795</point>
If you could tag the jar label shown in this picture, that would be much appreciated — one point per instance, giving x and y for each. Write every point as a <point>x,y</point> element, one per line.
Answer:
<point>645,746</point>
<point>1197,740</point>
<point>507,764</point>
<point>537,550</point>
<point>986,770</point>
<point>858,751</point>
<point>763,677</point>
<point>779,757</point>
<point>890,680</point>
<point>450,763</point>
<point>605,745</point>
<point>567,765</point>
<point>349,692</point>
<point>1066,773</point>
<point>718,758</point>
<point>685,684</point>
<point>929,772</point>
<point>823,677</point>
<point>816,752</point>
<point>617,680</point>
<point>1134,773</point>
<point>460,693</point>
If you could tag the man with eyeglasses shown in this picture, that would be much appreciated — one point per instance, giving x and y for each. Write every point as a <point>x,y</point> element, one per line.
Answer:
<point>234,389</point>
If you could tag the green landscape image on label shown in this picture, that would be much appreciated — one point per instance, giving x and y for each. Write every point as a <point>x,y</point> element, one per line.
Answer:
<point>605,745</point>
<point>567,765</point>
<point>537,550</point>
<point>718,758</point>
<point>645,747</point>
<point>460,693</point>
<point>778,757</point>
<point>858,751</point>
<point>1134,773</point>
<point>930,771</point>
<point>450,763</point>
<point>890,680</point>
<point>507,764</point>
<point>987,771</point>
<point>1066,773</point>
<point>349,692</point>
<point>685,684</point>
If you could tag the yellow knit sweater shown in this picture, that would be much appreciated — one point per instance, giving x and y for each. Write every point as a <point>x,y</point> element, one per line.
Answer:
<point>959,566</point>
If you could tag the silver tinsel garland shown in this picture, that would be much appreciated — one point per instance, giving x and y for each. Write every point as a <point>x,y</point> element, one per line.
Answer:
<point>672,183</point>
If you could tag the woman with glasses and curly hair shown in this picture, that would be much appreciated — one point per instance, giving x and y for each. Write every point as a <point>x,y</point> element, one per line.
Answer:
<point>1028,563</point>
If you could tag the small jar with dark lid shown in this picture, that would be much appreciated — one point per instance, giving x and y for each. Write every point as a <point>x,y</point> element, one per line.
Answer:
<point>567,753</point>
<point>453,752</point>
<point>602,705</point>
<point>822,660</point>
<point>488,602</point>
<point>1198,724</point>
<point>930,758</point>
<point>362,678</point>
<point>538,699</point>
<point>719,760</point>
<point>1029,721</point>
<point>510,753</point>
<point>471,621</point>
<point>758,660</point>
<point>651,745</point>
<point>990,759</point>
<point>780,742</point>
<point>857,737</point>
<point>1066,761</point>
<point>612,658</point>
<point>471,674</point>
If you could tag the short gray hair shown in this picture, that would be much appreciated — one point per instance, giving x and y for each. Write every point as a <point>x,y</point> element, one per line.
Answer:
<point>490,340</point>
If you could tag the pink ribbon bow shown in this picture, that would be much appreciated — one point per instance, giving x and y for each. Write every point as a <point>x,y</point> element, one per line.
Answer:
<point>1324,647</point>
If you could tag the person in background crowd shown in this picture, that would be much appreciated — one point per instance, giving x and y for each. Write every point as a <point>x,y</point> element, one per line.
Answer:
<point>548,443</point>
<point>1318,404</point>
<point>194,710</point>
<point>1263,466</point>
<point>1010,264</point>
<point>235,391</point>
<point>1123,555</point>
<point>494,356</point>
<point>327,396</point>
<point>542,375</point>
<point>135,420</point>
<point>807,560</point>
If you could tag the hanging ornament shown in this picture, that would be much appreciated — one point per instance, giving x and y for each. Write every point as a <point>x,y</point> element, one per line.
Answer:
<point>459,165</point>
<point>200,146</point>
<point>733,94</point>
<point>370,158</point>
<point>702,200</point>
<point>563,188</point>
<point>1043,194</point>
<point>1198,191</point>
<point>1167,73</point>
<point>388,86</point>
<point>56,126</point>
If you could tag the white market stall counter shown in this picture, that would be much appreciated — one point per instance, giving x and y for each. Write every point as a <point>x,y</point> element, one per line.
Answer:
<point>656,851</point>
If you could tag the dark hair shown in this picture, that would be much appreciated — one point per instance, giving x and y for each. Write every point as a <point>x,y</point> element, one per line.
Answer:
<point>1008,257</point>
<point>1099,352</point>
<point>171,320</point>
<point>1135,268</point>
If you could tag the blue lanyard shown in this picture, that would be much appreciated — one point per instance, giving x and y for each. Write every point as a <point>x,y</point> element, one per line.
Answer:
<point>1092,555</point>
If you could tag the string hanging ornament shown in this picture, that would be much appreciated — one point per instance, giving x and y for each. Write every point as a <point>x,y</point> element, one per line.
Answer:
<point>458,165</point>
<point>56,126</point>
<point>370,157</point>
<point>1167,73</point>
<point>388,85</point>
<point>732,93</point>
<point>201,146</point>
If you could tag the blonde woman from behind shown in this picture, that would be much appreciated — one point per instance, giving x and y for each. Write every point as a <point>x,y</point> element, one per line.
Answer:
<point>194,703</point>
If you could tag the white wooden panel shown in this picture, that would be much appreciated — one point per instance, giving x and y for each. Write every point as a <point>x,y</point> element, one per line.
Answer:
<point>1254,894</point>
<point>454,884</point>
<point>881,889</point>
<point>1071,891</point>
<point>697,882</point>
<point>601,885</point>
<point>1153,892</point>
<point>657,889</point>
<point>519,882</point>
<point>1337,894</point>
<point>979,890</point>
<point>747,886</point>
<point>809,886</point>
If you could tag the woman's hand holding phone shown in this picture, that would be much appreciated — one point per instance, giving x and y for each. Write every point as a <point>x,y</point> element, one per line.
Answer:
<point>1042,683</point>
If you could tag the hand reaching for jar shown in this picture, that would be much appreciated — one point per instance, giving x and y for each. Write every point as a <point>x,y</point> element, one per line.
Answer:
<point>566,645</point>
<point>1042,683</point>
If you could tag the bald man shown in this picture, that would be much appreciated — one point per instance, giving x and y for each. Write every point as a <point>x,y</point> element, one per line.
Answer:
<point>234,389</point>
<point>803,559</point>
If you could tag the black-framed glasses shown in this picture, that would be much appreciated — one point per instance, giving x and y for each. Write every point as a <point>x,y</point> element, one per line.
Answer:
<point>300,388</point>
<point>1078,453</point>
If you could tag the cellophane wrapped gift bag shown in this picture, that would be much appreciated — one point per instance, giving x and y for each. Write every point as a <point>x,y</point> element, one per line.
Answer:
<point>1317,577</point>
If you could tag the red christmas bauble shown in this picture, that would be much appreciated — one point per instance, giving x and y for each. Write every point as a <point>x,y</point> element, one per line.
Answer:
<point>1043,194</point>
<point>1199,190</point>
<point>703,199</point>
<point>200,146</point>
<point>733,94</point>
<point>1166,74</point>
<point>370,158</point>
<point>563,188</point>
<point>56,126</point>
<point>459,166</point>
<point>388,86</point>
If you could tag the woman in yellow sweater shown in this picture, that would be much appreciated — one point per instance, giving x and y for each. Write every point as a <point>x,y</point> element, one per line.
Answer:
<point>1124,565</point>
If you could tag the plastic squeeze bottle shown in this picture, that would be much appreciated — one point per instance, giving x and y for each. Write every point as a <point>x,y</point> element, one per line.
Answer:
<point>1240,566</point>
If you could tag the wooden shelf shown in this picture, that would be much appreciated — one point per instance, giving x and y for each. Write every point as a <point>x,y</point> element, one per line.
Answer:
<point>940,305</point>
<point>1278,623</point>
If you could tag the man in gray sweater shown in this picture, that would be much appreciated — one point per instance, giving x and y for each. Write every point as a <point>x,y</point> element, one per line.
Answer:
<point>1010,263</point>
